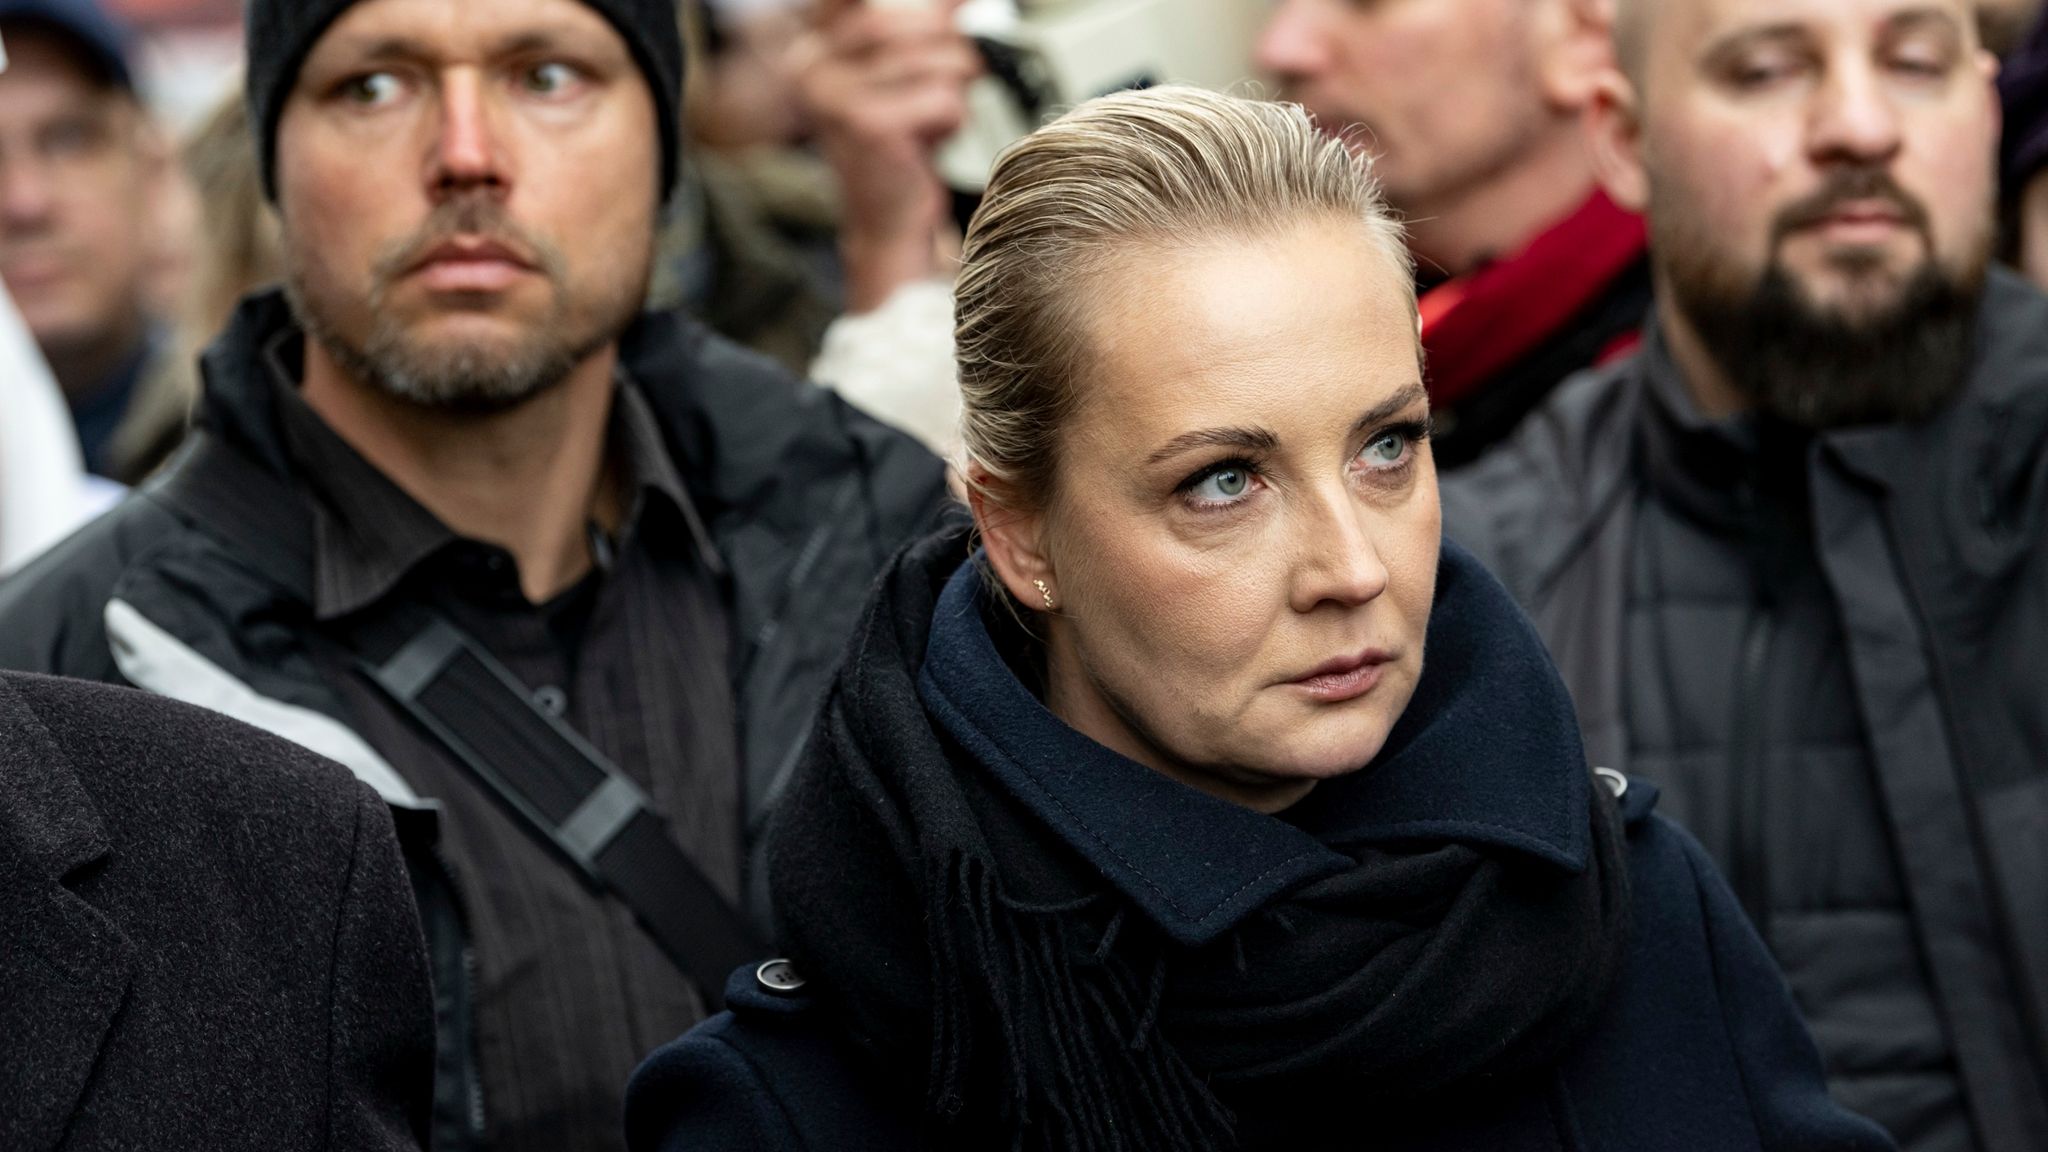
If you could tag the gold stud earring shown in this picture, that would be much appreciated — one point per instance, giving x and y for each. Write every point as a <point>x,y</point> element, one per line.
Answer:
<point>1044,592</point>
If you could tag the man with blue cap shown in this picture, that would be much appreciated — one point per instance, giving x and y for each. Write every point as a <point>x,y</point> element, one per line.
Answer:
<point>80,167</point>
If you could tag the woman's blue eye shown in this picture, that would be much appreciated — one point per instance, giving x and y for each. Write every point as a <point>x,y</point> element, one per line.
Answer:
<point>1223,486</point>
<point>1385,450</point>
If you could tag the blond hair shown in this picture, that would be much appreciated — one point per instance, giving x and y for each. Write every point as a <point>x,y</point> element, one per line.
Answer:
<point>1162,169</point>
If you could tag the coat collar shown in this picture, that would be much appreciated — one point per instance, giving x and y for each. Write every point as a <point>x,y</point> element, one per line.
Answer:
<point>1972,472</point>
<point>750,445</point>
<point>1993,432</point>
<point>668,355</point>
<point>1487,754</point>
<point>67,967</point>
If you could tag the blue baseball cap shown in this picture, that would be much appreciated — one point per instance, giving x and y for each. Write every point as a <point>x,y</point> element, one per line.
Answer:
<point>91,27</point>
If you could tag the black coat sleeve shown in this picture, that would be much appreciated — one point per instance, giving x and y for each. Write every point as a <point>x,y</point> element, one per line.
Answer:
<point>1781,1068</point>
<point>381,1047</point>
<point>53,612</point>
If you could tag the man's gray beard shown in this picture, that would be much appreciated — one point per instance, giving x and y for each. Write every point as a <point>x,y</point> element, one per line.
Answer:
<point>458,378</point>
<point>1816,367</point>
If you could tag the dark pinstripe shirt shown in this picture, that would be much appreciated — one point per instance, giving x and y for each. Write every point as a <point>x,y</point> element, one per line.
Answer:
<point>570,993</point>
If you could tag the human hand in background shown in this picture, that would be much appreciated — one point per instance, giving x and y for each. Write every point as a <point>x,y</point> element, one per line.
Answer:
<point>884,87</point>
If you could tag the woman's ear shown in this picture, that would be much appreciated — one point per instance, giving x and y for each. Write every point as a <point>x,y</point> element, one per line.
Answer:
<point>1014,540</point>
<point>1614,135</point>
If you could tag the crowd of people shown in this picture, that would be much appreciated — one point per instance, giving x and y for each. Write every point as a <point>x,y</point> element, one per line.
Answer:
<point>581,594</point>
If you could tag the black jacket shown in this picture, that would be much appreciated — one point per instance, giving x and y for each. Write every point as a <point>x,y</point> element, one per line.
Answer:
<point>1693,1046</point>
<point>803,497</point>
<point>209,938</point>
<point>1897,847</point>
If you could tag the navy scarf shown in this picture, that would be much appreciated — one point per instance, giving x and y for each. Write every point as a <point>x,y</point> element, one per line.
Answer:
<point>1060,949</point>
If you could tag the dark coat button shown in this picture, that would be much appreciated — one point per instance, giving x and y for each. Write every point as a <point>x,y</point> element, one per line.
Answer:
<point>779,977</point>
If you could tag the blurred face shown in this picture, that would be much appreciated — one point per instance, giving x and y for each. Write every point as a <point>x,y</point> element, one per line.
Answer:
<point>1244,536</point>
<point>1447,90</point>
<point>74,197</point>
<point>747,95</point>
<point>469,191</point>
<point>1820,180</point>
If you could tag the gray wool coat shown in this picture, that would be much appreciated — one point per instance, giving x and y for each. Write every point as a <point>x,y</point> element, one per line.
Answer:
<point>207,938</point>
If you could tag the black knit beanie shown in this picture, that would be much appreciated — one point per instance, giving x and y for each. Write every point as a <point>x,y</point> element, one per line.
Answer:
<point>281,33</point>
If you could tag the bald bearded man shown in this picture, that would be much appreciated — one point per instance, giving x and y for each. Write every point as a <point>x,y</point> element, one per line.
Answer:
<point>1791,559</point>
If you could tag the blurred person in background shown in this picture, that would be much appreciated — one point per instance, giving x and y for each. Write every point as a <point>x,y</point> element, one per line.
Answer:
<point>233,250</point>
<point>238,249</point>
<point>1792,559</point>
<point>2023,157</point>
<point>1471,109</point>
<point>749,247</point>
<point>562,579</point>
<point>81,173</point>
<point>883,87</point>
<point>2005,24</point>
<point>741,91</point>
<point>45,491</point>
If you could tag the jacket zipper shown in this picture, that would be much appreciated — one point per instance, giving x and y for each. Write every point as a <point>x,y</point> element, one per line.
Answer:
<point>1996,904</point>
<point>1748,753</point>
<point>472,1076</point>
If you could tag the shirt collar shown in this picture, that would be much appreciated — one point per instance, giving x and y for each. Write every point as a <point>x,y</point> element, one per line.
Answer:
<point>1487,754</point>
<point>369,534</point>
<point>651,474</point>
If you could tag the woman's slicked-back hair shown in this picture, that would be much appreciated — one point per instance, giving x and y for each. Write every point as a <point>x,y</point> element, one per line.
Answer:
<point>1164,169</point>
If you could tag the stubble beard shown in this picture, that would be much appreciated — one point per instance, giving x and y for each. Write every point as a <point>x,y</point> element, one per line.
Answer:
<point>1898,349</point>
<point>452,376</point>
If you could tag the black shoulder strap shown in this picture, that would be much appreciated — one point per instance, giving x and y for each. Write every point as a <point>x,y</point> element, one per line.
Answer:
<point>566,791</point>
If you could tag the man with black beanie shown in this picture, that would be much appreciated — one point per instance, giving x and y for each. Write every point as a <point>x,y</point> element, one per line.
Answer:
<point>561,580</point>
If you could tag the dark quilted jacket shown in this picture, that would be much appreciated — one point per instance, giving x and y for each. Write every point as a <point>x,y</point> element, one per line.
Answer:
<point>1828,651</point>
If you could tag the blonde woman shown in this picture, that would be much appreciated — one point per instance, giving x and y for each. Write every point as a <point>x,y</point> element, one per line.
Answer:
<point>1209,801</point>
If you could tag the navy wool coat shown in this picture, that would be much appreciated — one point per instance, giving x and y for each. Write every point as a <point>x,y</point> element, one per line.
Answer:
<point>1696,1048</point>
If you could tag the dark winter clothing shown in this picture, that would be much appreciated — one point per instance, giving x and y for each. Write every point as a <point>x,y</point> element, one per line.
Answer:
<point>660,709</point>
<point>1826,650</point>
<point>2023,97</point>
<point>1358,978</point>
<point>1498,339</point>
<point>209,938</point>
<point>551,991</point>
<point>1466,945</point>
<point>100,414</point>
<point>280,34</point>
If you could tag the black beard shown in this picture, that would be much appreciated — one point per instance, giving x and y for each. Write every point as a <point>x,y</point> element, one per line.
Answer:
<point>1816,368</point>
